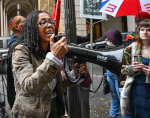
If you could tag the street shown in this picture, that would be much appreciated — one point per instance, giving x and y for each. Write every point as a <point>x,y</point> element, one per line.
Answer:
<point>99,103</point>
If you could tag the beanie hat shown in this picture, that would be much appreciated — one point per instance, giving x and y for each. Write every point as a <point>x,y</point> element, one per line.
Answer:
<point>142,14</point>
<point>13,21</point>
<point>114,36</point>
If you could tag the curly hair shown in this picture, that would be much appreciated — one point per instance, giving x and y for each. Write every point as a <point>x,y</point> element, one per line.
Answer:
<point>144,23</point>
<point>30,35</point>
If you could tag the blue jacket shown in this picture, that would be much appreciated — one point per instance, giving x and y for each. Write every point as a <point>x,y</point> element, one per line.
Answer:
<point>12,40</point>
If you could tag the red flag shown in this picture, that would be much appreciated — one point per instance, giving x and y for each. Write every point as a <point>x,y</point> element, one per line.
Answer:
<point>129,36</point>
<point>54,9</point>
<point>56,13</point>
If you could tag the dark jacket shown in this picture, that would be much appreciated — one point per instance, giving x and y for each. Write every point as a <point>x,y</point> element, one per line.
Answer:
<point>10,80</point>
<point>12,40</point>
<point>82,39</point>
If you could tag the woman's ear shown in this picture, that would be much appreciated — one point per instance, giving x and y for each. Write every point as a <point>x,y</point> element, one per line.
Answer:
<point>16,26</point>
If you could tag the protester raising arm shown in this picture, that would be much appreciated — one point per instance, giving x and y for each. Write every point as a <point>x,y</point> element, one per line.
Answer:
<point>37,69</point>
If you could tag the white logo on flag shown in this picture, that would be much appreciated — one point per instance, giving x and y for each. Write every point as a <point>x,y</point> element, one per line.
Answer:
<point>104,0</point>
<point>147,7</point>
<point>110,8</point>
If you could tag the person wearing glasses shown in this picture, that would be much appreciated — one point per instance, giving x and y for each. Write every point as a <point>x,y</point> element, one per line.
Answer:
<point>37,69</point>
<point>135,95</point>
<point>15,25</point>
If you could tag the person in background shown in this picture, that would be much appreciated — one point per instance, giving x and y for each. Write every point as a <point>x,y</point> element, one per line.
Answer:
<point>113,39</point>
<point>37,69</point>
<point>85,84</point>
<point>15,25</point>
<point>83,39</point>
<point>81,99</point>
<point>131,37</point>
<point>139,73</point>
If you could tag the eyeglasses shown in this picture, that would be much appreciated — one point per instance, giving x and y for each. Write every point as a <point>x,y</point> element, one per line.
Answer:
<point>147,30</point>
<point>44,23</point>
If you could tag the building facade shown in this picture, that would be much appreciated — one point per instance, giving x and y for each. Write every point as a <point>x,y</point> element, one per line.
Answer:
<point>123,24</point>
<point>10,8</point>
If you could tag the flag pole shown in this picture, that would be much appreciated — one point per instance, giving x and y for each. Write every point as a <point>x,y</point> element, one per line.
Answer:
<point>91,42</point>
<point>39,5</point>
<point>138,9</point>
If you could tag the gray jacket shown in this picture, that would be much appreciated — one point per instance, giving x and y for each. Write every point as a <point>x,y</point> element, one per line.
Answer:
<point>32,78</point>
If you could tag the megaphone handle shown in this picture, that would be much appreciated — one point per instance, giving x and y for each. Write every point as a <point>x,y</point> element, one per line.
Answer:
<point>81,76</point>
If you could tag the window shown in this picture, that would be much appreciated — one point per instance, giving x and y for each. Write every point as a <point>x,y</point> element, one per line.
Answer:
<point>1,43</point>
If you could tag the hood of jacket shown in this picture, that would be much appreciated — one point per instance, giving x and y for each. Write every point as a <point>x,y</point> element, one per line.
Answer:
<point>12,40</point>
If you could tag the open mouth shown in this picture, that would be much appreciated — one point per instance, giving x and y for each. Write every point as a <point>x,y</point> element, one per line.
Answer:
<point>50,32</point>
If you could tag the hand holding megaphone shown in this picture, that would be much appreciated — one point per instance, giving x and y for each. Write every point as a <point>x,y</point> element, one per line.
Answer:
<point>59,48</point>
<point>80,70</point>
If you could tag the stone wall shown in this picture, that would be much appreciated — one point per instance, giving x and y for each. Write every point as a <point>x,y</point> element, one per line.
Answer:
<point>46,5</point>
<point>80,22</point>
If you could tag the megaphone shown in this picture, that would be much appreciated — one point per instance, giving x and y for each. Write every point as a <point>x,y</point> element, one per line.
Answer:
<point>110,59</point>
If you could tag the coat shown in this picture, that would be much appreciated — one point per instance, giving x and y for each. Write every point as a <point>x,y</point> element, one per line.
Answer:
<point>128,59</point>
<point>32,79</point>
<point>10,80</point>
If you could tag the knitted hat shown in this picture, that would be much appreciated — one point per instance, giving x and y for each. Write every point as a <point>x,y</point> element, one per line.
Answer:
<point>142,14</point>
<point>114,36</point>
<point>13,21</point>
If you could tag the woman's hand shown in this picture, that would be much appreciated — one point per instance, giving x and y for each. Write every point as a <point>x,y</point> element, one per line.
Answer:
<point>137,66</point>
<point>146,69</point>
<point>59,48</point>
<point>83,69</point>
